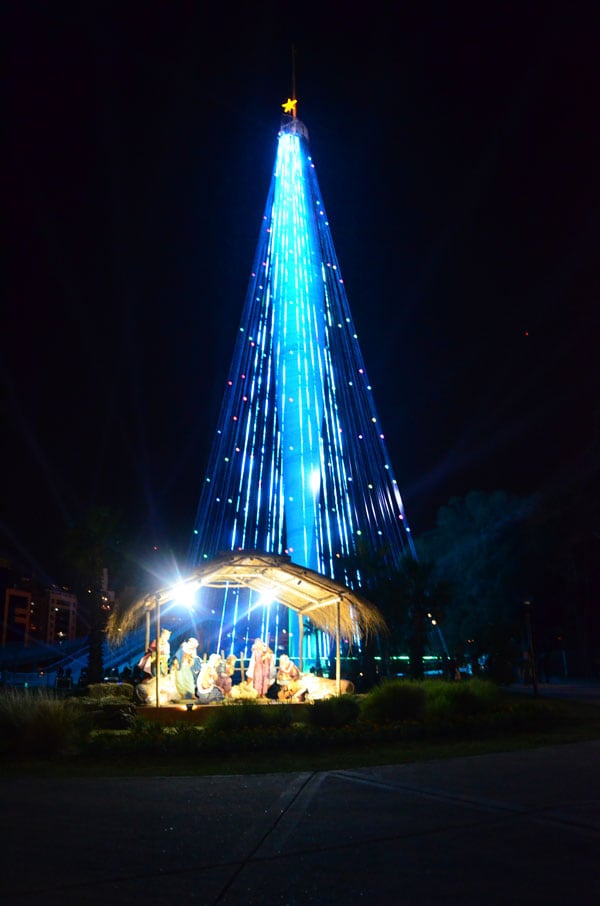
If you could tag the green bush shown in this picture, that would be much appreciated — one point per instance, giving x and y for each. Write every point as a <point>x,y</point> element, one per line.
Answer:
<point>110,690</point>
<point>333,712</point>
<point>531,715</point>
<point>394,700</point>
<point>148,736</point>
<point>247,714</point>
<point>113,716</point>
<point>108,713</point>
<point>187,739</point>
<point>449,701</point>
<point>36,725</point>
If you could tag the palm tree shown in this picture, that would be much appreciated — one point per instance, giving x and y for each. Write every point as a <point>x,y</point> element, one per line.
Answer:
<point>407,595</point>
<point>90,549</point>
<point>422,595</point>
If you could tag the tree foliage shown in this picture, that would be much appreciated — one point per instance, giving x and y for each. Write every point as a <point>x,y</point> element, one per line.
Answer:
<point>479,547</point>
<point>407,595</point>
<point>424,596</point>
<point>92,549</point>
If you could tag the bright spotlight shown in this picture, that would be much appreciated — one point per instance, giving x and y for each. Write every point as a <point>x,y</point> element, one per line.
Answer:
<point>184,594</point>
<point>266,600</point>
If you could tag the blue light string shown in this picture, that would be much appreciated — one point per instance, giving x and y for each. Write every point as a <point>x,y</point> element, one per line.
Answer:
<point>298,380</point>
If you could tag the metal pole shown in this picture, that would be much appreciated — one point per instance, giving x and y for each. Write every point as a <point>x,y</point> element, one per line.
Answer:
<point>338,666</point>
<point>534,681</point>
<point>157,605</point>
<point>300,643</point>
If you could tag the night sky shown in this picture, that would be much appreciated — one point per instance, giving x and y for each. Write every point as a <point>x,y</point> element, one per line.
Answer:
<point>457,152</point>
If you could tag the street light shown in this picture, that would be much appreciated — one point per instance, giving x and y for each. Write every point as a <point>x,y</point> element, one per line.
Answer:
<point>530,646</point>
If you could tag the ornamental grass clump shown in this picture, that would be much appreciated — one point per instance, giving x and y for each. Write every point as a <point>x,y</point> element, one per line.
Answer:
<point>394,700</point>
<point>37,724</point>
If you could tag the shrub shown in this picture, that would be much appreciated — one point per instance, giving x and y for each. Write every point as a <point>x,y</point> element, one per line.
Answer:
<point>108,713</point>
<point>247,714</point>
<point>187,739</point>
<point>531,715</point>
<point>333,712</point>
<point>394,700</point>
<point>449,701</point>
<point>110,690</point>
<point>148,736</point>
<point>113,715</point>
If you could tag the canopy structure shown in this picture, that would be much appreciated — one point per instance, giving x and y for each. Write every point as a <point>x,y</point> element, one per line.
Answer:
<point>330,606</point>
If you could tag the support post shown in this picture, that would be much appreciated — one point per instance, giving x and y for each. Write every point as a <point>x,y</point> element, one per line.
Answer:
<point>338,666</point>
<point>531,648</point>
<point>300,643</point>
<point>157,605</point>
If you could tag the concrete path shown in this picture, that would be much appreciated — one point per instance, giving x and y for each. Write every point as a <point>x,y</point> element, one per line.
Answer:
<point>505,829</point>
<point>573,690</point>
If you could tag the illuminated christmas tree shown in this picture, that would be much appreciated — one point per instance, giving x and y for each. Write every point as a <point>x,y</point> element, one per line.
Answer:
<point>299,463</point>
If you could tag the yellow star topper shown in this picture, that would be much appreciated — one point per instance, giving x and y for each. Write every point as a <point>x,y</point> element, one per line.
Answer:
<point>290,106</point>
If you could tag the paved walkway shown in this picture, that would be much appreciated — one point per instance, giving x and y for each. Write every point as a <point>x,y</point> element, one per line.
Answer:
<point>505,829</point>
<point>575,690</point>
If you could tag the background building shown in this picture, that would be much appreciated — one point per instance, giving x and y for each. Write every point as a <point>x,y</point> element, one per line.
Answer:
<point>34,612</point>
